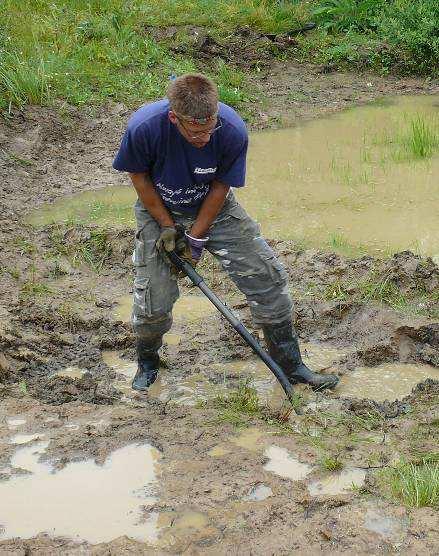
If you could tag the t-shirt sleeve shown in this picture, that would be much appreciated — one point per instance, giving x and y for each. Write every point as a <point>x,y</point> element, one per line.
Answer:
<point>232,165</point>
<point>134,153</point>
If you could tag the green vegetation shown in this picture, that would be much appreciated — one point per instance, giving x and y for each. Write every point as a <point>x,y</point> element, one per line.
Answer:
<point>417,139</point>
<point>90,247</point>
<point>89,52</point>
<point>422,139</point>
<point>33,288</point>
<point>415,485</point>
<point>238,406</point>
<point>330,463</point>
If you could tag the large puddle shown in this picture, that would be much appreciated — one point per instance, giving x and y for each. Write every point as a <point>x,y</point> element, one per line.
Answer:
<point>344,183</point>
<point>83,501</point>
<point>391,381</point>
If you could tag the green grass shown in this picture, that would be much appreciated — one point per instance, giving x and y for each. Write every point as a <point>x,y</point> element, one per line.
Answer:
<point>422,139</point>
<point>32,288</point>
<point>99,50</point>
<point>236,406</point>
<point>330,463</point>
<point>91,248</point>
<point>414,485</point>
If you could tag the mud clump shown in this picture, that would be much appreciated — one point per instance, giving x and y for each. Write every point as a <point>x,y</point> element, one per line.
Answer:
<point>61,390</point>
<point>243,47</point>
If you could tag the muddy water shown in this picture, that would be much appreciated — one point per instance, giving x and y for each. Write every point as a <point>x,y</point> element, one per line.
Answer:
<point>188,308</point>
<point>248,439</point>
<point>391,381</point>
<point>339,183</point>
<point>388,527</point>
<point>83,501</point>
<point>168,387</point>
<point>282,463</point>
<point>338,483</point>
<point>15,422</point>
<point>258,493</point>
<point>196,387</point>
<point>269,391</point>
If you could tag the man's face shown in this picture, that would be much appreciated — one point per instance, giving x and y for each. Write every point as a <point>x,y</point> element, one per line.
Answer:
<point>196,134</point>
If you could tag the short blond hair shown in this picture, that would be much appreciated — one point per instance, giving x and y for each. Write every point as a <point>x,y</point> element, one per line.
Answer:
<point>193,96</point>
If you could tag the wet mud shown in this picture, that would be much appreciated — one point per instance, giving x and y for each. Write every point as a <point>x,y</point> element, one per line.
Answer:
<point>172,472</point>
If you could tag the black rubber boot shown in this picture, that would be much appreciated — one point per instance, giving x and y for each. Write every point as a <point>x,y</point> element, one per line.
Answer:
<point>148,363</point>
<point>284,349</point>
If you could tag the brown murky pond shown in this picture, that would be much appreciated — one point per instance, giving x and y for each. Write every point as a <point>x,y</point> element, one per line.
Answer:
<point>348,183</point>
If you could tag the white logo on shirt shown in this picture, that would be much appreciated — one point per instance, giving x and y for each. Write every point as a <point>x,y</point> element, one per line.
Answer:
<point>204,170</point>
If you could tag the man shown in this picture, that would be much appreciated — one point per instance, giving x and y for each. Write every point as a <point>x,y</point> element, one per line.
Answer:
<point>184,154</point>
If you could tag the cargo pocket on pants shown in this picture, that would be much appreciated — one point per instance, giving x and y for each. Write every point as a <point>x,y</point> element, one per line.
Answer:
<point>142,297</point>
<point>139,249</point>
<point>276,270</point>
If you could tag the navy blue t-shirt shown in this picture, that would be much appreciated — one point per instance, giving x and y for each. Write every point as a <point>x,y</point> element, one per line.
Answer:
<point>181,172</point>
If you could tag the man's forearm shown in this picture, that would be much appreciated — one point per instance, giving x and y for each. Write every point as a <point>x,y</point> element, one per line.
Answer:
<point>209,210</point>
<point>150,199</point>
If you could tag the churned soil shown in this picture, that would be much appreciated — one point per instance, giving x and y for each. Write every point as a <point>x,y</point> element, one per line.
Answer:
<point>48,153</point>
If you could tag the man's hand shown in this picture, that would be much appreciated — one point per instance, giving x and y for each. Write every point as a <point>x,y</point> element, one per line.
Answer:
<point>167,238</point>
<point>196,246</point>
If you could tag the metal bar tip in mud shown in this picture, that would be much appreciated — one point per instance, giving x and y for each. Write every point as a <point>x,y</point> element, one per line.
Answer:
<point>198,281</point>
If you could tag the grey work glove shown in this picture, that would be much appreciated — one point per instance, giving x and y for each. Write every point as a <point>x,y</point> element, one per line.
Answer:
<point>167,238</point>
<point>173,238</point>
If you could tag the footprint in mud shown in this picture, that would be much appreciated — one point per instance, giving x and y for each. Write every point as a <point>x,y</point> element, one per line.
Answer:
<point>282,463</point>
<point>338,483</point>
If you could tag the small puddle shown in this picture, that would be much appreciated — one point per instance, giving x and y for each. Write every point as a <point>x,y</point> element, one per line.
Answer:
<point>248,439</point>
<point>338,483</point>
<point>218,451</point>
<point>282,463</point>
<point>83,501</point>
<point>181,526</point>
<point>391,381</point>
<point>343,183</point>
<point>25,438</point>
<point>187,391</point>
<point>390,528</point>
<point>187,308</point>
<point>259,493</point>
<point>15,422</point>
<point>71,372</point>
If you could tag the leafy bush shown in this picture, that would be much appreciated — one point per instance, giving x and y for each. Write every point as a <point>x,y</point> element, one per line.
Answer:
<point>410,29</point>
<point>343,15</point>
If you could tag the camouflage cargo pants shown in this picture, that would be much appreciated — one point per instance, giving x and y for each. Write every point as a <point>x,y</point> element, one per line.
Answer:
<point>235,241</point>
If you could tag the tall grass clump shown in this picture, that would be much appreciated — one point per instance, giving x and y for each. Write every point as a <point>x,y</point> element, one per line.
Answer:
<point>414,485</point>
<point>238,404</point>
<point>23,81</point>
<point>422,138</point>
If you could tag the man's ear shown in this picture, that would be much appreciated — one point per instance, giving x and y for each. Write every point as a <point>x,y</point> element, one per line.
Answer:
<point>172,117</point>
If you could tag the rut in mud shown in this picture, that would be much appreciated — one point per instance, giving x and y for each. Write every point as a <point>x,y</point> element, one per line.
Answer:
<point>218,474</point>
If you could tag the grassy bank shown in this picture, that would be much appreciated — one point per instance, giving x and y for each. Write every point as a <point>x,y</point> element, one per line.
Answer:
<point>88,52</point>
